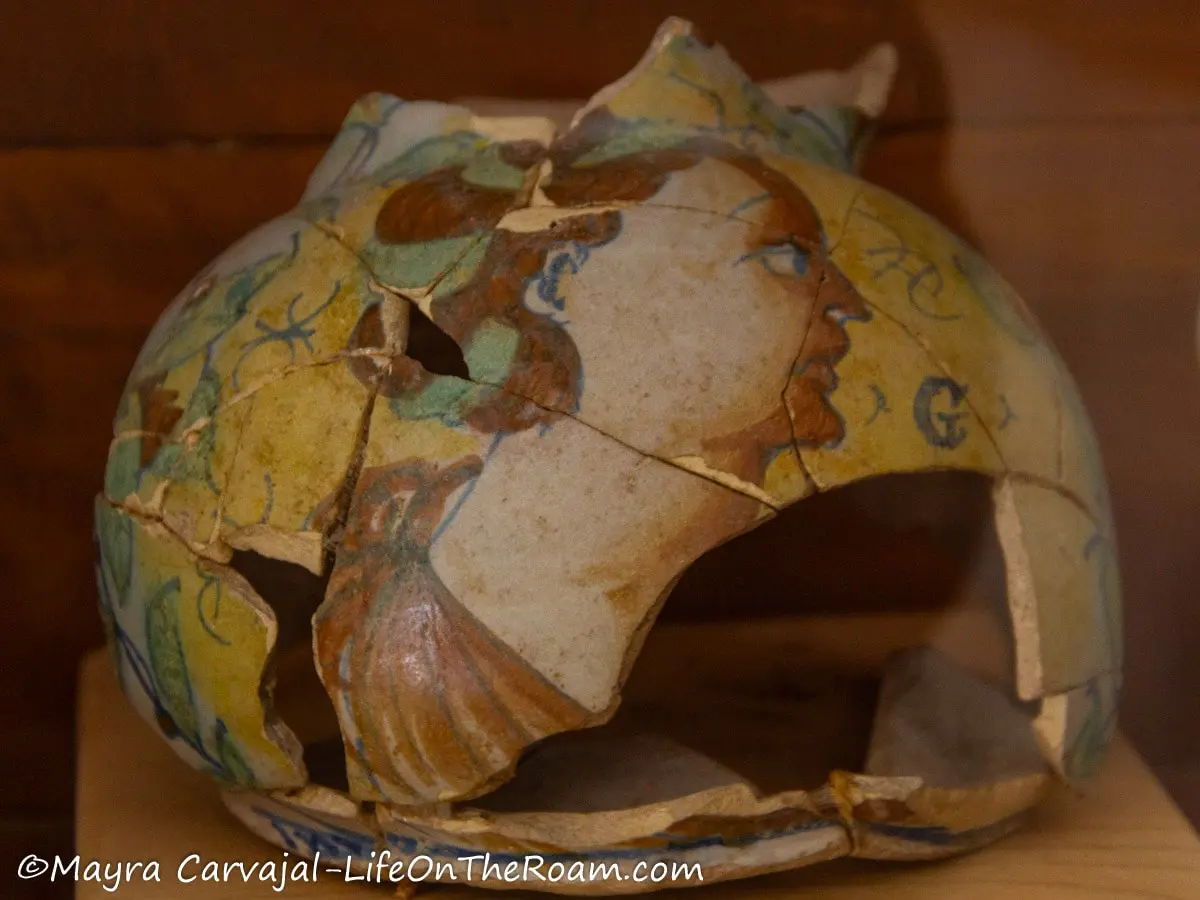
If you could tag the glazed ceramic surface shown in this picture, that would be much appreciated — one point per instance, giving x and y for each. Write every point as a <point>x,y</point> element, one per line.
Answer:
<point>677,317</point>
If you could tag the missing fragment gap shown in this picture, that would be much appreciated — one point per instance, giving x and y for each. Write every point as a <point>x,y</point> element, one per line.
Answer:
<point>900,543</point>
<point>292,592</point>
<point>856,631</point>
<point>432,347</point>
<point>297,699</point>
<point>293,691</point>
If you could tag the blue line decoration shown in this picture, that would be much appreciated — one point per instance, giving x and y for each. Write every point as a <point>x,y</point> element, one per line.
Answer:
<point>1009,414</point>
<point>789,260</point>
<point>213,584</point>
<point>922,277</point>
<point>296,330</point>
<point>881,406</point>
<point>940,429</point>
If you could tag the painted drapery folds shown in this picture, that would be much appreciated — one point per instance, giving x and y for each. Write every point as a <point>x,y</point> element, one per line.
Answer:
<point>499,386</point>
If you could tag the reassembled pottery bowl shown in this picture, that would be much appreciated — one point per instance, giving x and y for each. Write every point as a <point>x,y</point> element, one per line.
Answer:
<point>401,482</point>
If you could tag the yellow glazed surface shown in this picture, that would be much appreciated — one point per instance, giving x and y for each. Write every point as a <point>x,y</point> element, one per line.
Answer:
<point>677,318</point>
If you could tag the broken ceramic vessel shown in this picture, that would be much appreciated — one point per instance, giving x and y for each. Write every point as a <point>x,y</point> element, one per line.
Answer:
<point>401,482</point>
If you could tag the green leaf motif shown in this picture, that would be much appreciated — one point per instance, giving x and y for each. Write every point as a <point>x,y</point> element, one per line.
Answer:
<point>112,535</point>
<point>194,466</point>
<point>233,765</point>
<point>177,707</point>
<point>121,471</point>
<point>114,547</point>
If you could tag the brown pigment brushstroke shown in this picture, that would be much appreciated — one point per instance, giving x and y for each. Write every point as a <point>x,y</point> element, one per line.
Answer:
<point>438,205</point>
<point>809,418</point>
<point>418,660</point>
<point>158,415</point>
<point>427,681</point>
<point>816,422</point>
<point>546,369</point>
<point>733,828</point>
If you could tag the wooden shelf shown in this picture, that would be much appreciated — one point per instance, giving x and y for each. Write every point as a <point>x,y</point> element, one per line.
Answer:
<point>137,801</point>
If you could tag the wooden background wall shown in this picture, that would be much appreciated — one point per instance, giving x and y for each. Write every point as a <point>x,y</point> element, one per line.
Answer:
<point>138,139</point>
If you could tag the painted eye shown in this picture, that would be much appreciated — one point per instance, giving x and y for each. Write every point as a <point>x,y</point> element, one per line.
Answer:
<point>784,260</point>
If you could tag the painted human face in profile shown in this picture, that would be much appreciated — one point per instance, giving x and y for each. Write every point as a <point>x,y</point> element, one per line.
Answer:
<point>597,412</point>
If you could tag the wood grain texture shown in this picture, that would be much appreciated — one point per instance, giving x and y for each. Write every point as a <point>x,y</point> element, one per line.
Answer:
<point>1182,781</point>
<point>1086,220</point>
<point>134,70</point>
<point>1123,839</point>
<point>1061,137</point>
<point>1062,210</point>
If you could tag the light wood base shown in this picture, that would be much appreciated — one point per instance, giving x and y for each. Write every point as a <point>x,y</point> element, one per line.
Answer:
<point>138,802</point>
